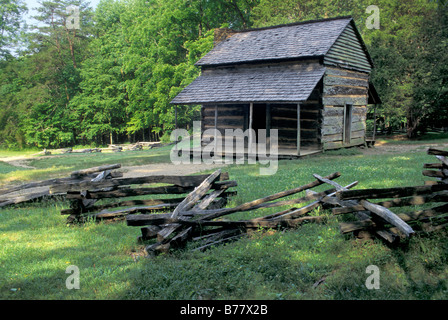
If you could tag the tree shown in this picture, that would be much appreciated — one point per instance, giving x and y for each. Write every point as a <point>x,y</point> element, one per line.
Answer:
<point>102,101</point>
<point>55,51</point>
<point>11,12</point>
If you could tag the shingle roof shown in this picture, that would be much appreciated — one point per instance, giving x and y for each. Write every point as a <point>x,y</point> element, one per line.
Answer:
<point>293,41</point>
<point>279,83</point>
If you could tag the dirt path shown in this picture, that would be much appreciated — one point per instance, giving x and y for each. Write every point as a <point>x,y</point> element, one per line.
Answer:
<point>19,161</point>
<point>166,169</point>
<point>185,169</point>
<point>386,148</point>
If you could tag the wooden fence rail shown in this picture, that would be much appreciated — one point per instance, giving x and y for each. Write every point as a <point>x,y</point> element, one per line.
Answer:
<point>85,195</point>
<point>377,219</point>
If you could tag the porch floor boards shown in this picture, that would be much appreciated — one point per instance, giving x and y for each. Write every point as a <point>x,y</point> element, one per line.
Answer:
<point>283,153</point>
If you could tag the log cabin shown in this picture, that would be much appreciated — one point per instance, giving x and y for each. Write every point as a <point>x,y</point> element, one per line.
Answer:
<point>309,80</point>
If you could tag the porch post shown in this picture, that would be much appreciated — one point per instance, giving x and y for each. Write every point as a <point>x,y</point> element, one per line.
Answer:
<point>268,125</point>
<point>175,126</point>
<point>374,123</point>
<point>251,115</point>
<point>298,129</point>
<point>216,128</point>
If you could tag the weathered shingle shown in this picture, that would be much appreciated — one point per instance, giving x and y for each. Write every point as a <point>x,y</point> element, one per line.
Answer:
<point>274,83</point>
<point>311,39</point>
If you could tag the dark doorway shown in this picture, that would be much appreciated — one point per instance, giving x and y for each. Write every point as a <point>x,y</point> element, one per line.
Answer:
<point>259,118</point>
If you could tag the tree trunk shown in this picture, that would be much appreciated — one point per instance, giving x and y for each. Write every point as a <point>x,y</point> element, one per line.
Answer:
<point>412,126</point>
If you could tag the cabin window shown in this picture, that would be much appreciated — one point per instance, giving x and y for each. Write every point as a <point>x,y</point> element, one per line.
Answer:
<point>348,110</point>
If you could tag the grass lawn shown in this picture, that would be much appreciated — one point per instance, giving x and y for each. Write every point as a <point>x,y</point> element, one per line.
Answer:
<point>37,246</point>
<point>53,166</point>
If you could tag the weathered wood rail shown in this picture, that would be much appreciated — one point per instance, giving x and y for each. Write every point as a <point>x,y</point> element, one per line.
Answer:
<point>85,195</point>
<point>192,219</point>
<point>377,218</point>
<point>37,190</point>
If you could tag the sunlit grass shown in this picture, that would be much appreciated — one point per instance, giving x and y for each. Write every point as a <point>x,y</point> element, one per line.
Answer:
<point>48,167</point>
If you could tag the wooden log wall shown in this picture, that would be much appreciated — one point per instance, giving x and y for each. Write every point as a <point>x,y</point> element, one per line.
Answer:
<point>284,119</point>
<point>344,87</point>
<point>230,116</point>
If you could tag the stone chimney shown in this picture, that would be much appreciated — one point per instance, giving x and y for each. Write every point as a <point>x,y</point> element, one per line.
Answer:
<point>222,34</point>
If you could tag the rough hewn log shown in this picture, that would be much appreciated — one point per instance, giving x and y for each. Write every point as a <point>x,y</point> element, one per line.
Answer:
<point>51,182</point>
<point>389,192</point>
<point>416,200</point>
<point>145,202</point>
<point>346,227</point>
<point>435,174</point>
<point>388,216</point>
<point>255,204</point>
<point>133,210</point>
<point>36,184</point>
<point>159,219</point>
<point>28,197</point>
<point>299,212</point>
<point>443,159</point>
<point>423,214</point>
<point>127,192</point>
<point>88,171</point>
<point>189,202</point>
<point>208,199</point>
<point>183,181</point>
<point>212,214</point>
<point>434,166</point>
<point>437,152</point>
<point>350,209</point>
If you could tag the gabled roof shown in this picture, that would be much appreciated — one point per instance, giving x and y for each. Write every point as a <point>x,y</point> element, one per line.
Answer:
<point>284,42</point>
<point>246,66</point>
<point>275,83</point>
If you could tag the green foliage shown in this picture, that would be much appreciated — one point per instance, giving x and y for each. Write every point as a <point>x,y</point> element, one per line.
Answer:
<point>11,12</point>
<point>113,79</point>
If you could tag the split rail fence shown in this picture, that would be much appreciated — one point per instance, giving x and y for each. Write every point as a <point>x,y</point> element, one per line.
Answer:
<point>376,219</point>
<point>192,221</point>
<point>38,190</point>
<point>199,216</point>
<point>119,194</point>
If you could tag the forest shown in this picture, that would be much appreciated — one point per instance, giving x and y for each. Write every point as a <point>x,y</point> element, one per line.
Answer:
<point>94,76</point>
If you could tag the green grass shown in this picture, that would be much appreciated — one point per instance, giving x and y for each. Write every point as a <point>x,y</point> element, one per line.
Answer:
<point>37,247</point>
<point>6,168</point>
<point>47,167</point>
<point>72,161</point>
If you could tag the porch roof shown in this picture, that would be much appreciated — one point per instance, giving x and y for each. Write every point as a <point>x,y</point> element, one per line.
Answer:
<point>274,83</point>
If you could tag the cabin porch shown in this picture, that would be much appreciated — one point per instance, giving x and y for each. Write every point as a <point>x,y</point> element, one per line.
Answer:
<point>296,126</point>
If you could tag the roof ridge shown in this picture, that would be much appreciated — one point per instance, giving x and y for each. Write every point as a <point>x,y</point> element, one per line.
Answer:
<point>292,24</point>
<point>297,40</point>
